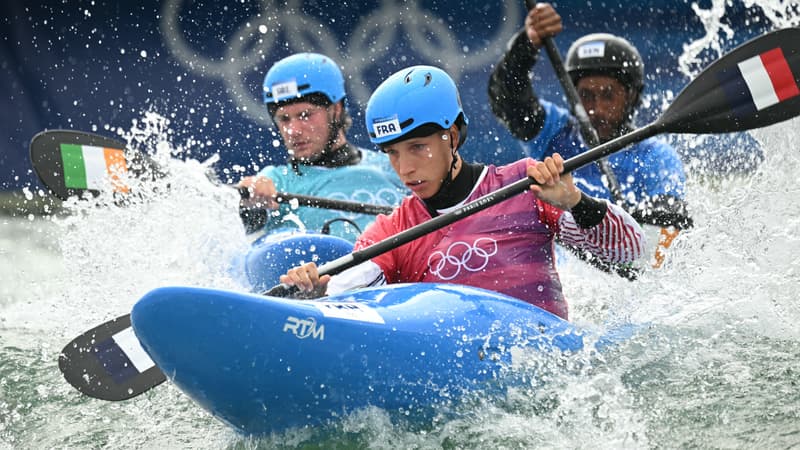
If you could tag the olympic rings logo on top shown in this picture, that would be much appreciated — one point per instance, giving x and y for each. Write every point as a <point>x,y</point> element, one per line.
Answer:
<point>276,26</point>
<point>384,196</point>
<point>471,257</point>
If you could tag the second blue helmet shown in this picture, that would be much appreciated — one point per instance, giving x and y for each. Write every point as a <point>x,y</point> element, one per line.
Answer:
<point>411,98</point>
<point>303,74</point>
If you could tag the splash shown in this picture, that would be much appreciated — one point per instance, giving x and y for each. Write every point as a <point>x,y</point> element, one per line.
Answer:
<point>719,35</point>
<point>176,228</point>
<point>781,13</point>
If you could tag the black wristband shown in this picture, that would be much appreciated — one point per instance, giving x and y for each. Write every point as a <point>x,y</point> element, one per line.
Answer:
<point>589,211</point>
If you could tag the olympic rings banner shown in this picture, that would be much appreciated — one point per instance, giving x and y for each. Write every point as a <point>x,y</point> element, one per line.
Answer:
<point>105,65</point>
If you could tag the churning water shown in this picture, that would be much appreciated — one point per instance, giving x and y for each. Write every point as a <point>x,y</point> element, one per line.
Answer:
<point>717,367</point>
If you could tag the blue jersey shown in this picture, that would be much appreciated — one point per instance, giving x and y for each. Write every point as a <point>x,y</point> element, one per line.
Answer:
<point>371,181</point>
<point>644,170</point>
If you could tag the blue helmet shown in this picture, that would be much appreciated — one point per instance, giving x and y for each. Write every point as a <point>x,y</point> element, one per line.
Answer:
<point>415,101</point>
<point>303,74</point>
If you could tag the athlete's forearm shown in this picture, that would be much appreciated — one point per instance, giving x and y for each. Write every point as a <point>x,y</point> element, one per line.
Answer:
<point>617,238</point>
<point>511,96</point>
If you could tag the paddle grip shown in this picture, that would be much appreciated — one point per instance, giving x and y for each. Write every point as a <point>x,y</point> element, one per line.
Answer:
<point>282,290</point>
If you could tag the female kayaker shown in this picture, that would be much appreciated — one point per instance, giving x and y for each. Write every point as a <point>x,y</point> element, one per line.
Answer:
<point>415,117</point>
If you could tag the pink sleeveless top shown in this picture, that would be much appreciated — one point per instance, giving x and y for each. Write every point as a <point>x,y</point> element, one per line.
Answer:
<point>506,248</point>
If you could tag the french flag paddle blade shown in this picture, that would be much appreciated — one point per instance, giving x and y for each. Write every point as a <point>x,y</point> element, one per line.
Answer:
<point>753,86</point>
<point>108,362</point>
<point>769,78</point>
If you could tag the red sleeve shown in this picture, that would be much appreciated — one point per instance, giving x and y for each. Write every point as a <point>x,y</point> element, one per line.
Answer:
<point>617,238</point>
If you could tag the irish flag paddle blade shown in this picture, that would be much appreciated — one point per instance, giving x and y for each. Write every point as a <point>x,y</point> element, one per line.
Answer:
<point>73,163</point>
<point>91,167</point>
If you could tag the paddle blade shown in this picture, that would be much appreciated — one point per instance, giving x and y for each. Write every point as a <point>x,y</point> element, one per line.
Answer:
<point>753,86</point>
<point>108,363</point>
<point>72,163</point>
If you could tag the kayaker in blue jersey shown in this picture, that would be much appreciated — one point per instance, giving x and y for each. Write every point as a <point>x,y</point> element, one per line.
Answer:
<point>608,73</point>
<point>305,95</point>
<point>415,116</point>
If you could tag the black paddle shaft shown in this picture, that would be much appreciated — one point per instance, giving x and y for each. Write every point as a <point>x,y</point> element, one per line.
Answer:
<point>318,202</point>
<point>588,132</point>
<point>491,199</point>
<point>359,256</point>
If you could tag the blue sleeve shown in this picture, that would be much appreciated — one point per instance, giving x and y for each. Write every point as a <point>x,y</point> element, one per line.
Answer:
<point>647,169</point>
<point>650,168</point>
<point>559,134</point>
<point>281,219</point>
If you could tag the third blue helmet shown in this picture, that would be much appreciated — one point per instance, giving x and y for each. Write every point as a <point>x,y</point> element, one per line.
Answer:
<point>414,102</point>
<point>301,75</point>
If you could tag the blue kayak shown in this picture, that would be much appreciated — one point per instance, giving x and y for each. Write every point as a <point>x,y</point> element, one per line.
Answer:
<point>265,364</point>
<point>271,255</point>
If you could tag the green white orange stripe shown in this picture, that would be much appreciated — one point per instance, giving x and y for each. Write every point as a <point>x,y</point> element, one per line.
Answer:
<point>89,167</point>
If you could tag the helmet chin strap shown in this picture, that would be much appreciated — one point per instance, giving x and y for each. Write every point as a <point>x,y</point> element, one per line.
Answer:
<point>448,179</point>
<point>457,184</point>
<point>334,125</point>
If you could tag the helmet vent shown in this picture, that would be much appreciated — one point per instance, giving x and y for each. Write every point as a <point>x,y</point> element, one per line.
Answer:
<point>407,78</point>
<point>414,102</point>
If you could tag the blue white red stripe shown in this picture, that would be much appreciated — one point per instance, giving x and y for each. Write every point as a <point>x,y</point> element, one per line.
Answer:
<point>130,345</point>
<point>769,78</point>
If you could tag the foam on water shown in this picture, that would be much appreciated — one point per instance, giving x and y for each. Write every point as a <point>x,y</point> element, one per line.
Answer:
<point>91,265</point>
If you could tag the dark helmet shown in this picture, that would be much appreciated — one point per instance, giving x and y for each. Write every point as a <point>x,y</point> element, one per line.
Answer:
<point>606,54</point>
